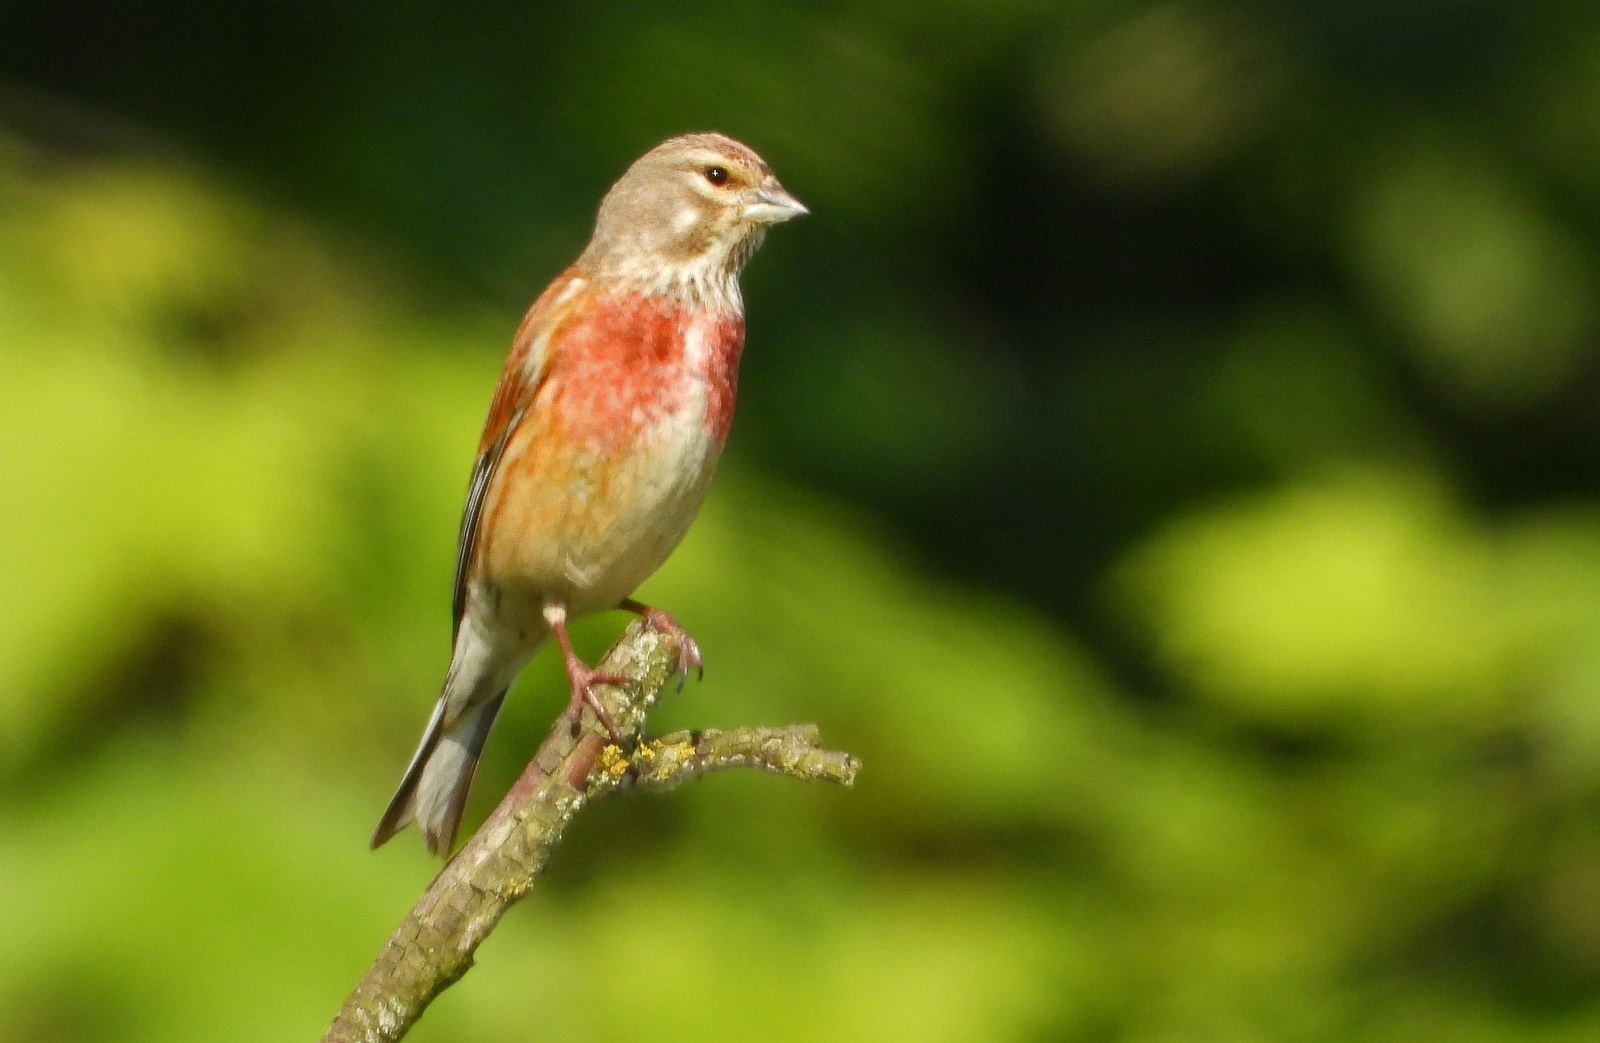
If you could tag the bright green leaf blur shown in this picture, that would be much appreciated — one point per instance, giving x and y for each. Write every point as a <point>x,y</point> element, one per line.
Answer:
<point>1167,456</point>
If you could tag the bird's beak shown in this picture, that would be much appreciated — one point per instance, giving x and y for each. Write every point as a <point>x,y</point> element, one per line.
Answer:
<point>773,205</point>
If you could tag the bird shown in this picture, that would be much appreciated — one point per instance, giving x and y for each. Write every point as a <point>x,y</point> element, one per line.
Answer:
<point>600,442</point>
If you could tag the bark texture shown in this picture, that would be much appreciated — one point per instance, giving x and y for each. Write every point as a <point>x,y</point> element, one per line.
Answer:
<point>432,948</point>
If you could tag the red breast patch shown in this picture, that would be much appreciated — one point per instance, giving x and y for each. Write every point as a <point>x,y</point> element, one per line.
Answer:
<point>624,363</point>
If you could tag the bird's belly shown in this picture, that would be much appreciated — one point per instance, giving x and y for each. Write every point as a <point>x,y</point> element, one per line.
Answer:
<point>585,521</point>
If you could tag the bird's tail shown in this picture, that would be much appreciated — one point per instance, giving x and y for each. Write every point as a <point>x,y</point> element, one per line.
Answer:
<point>434,790</point>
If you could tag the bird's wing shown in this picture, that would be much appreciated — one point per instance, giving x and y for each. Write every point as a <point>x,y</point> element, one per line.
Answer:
<point>526,369</point>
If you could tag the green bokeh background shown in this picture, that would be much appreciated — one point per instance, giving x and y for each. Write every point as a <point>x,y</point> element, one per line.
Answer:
<point>1169,456</point>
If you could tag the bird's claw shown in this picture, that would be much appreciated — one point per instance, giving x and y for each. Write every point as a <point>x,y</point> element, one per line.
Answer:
<point>689,656</point>
<point>688,648</point>
<point>583,679</point>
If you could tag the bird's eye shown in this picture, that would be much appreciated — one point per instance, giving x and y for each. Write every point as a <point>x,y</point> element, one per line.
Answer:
<point>716,175</point>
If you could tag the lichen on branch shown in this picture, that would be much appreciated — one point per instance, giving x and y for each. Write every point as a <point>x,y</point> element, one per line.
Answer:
<point>433,947</point>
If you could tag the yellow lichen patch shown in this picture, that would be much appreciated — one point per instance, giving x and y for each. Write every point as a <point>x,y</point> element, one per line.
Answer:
<point>613,761</point>
<point>675,753</point>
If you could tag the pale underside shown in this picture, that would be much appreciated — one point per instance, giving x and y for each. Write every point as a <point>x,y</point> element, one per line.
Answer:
<point>590,521</point>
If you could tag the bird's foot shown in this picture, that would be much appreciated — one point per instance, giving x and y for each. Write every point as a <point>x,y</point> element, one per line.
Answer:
<point>688,648</point>
<point>583,678</point>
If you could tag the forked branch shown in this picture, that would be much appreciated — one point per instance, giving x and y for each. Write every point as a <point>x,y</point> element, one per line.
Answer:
<point>433,946</point>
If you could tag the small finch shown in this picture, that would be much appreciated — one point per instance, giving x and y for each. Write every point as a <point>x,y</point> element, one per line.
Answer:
<point>600,443</point>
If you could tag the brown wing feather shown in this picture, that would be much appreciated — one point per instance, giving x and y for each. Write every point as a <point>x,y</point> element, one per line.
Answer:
<point>520,381</point>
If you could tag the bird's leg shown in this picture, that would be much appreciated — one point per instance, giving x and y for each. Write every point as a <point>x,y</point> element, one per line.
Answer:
<point>580,676</point>
<point>688,647</point>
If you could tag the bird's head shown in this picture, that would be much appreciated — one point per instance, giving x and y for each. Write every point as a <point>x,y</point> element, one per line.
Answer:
<point>686,217</point>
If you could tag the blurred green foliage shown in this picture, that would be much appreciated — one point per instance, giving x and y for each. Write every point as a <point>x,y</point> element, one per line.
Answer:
<point>1168,456</point>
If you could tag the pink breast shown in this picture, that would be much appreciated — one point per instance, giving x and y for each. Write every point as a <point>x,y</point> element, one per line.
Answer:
<point>724,340</point>
<point>627,362</point>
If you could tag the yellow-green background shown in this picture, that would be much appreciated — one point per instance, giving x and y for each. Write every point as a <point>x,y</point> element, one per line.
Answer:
<point>1168,456</point>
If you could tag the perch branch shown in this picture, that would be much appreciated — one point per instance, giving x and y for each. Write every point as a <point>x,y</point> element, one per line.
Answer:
<point>432,948</point>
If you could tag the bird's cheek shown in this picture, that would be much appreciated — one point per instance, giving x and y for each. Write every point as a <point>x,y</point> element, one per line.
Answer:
<point>684,220</point>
